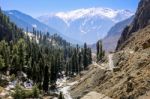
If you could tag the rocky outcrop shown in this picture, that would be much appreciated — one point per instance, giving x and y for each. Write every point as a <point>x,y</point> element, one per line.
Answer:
<point>141,20</point>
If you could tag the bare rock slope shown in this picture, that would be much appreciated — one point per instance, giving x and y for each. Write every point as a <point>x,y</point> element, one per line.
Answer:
<point>130,80</point>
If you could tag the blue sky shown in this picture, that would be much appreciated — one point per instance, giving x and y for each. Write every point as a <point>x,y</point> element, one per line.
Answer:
<point>39,7</point>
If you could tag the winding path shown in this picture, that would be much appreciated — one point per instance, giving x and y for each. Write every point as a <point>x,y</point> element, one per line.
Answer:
<point>110,62</point>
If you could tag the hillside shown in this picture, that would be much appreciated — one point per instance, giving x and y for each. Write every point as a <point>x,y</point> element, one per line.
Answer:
<point>8,30</point>
<point>140,21</point>
<point>25,21</point>
<point>130,77</point>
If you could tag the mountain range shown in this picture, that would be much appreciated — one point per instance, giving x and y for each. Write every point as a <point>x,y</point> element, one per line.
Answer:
<point>77,26</point>
<point>85,25</point>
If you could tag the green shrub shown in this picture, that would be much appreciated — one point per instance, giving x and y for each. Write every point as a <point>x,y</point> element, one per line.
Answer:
<point>1,89</point>
<point>35,91</point>
<point>3,82</point>
<point>19,92</point>
<point>12,77</point>
<point>28,93</point>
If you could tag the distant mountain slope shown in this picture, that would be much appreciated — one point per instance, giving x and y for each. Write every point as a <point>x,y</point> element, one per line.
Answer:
<point>110,41</point>
<point>140,21</point>
<point>25,21</point>
<point>86,25</point>
<point>118,27</point>
<point>8,30</point>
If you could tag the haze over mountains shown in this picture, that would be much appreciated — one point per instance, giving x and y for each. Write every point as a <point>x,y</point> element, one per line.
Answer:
<point>85,25</point>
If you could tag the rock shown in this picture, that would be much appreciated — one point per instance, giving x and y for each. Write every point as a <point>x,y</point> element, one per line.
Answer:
<point>146,44</point>
<point>95,95</point>
<point>116,69</point>
<point>129,87</point>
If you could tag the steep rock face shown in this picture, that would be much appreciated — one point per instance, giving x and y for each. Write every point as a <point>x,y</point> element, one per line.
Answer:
<point>141,20</point>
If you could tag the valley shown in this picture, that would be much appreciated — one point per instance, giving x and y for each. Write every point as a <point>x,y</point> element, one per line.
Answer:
<point>87,53</point>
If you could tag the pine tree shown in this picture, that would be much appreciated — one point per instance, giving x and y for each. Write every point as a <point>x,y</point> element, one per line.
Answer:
<point>2,64</point>
<point>46,79</point>
<point>85,58</point>
<point>100,51</point>
<point>61,96</point>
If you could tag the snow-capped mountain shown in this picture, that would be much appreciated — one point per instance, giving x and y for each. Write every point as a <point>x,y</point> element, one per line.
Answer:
<point>115,15</point>
<point>86,25</point>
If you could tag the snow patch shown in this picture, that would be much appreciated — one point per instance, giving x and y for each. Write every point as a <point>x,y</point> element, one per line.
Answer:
<point>10,13</point>
<point>111,63</point>
<point>34,25</point>
<point>64,87</point>
<point>101,12</point>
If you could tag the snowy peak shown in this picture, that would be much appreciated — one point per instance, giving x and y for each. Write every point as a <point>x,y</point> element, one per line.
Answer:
<point>85,25</point>
<point>102,12</point>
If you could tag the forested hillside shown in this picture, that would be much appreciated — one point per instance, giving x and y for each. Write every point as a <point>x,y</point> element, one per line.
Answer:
<point>40,56</point>
<point>8,30</point>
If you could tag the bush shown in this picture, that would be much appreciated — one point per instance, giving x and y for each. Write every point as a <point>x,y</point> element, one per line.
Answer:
<point>19,92</point>
<point>1,89</point>
<point>28,93</point>
<point>3,82</point>
<point>12,77</point>
<point>35,91</point>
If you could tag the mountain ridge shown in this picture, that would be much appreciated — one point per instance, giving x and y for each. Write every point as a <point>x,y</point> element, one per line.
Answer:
<point>75,14</point>
<point>26,21</point>
<point>87,25</point>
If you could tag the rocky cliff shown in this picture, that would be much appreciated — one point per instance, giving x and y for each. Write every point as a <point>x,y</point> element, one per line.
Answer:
<point>141,20</point>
